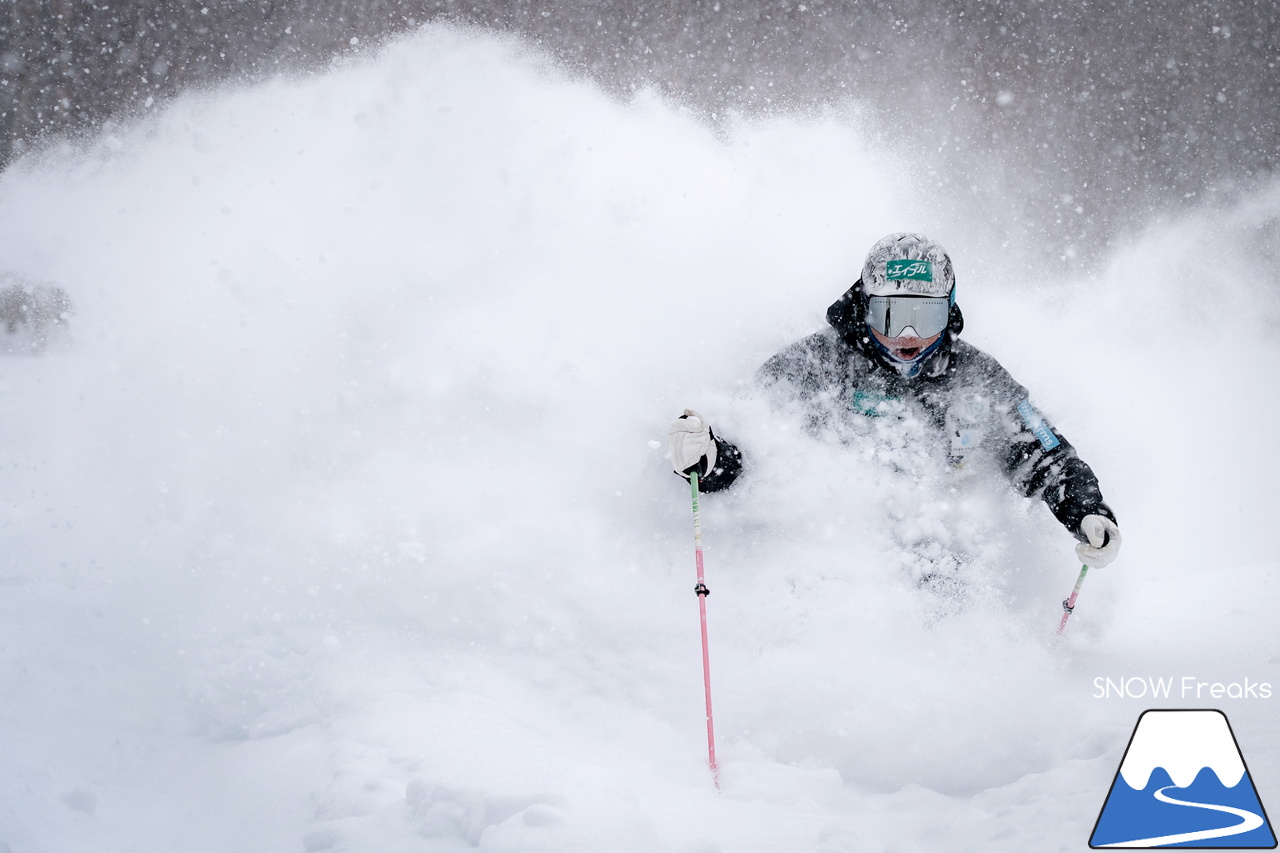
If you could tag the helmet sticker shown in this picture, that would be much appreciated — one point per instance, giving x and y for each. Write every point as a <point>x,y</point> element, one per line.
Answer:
<point>906,269</point>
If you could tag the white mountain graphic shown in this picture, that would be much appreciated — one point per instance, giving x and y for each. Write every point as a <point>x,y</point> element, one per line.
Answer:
<point>1183,743</point>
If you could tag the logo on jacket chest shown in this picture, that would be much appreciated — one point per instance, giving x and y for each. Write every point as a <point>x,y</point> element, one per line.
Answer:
<point>966,424</point>
<point>873,404</point>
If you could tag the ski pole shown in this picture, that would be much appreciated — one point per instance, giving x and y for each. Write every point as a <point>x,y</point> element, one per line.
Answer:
<point>703,592</point>
<point>1069,604</point>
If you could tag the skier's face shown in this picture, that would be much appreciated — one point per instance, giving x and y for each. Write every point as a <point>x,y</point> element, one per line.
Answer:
<point>906,347</point>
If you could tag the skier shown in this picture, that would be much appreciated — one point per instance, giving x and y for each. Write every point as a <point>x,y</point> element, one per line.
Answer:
<point>894,341</point>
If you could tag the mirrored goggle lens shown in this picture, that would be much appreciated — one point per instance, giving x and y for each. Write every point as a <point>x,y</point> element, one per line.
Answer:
<point>889,315</point>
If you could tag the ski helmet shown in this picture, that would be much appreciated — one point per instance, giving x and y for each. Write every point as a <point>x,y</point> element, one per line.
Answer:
<point>907,264</point>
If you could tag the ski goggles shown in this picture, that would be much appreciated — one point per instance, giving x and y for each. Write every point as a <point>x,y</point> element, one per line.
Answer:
<point>889,315</point>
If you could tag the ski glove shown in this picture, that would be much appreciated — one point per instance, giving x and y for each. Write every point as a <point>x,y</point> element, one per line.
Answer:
<point>691,445</point>
<point>1102,541</point>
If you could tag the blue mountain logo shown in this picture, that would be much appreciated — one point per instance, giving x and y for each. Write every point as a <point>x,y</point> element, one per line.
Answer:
<point>1183,783</point>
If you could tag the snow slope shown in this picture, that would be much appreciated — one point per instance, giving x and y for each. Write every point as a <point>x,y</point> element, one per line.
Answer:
<point>343,523</point>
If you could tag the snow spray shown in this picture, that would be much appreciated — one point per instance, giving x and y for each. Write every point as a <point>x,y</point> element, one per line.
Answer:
<point>703,592</point>
<point>1069,604</point>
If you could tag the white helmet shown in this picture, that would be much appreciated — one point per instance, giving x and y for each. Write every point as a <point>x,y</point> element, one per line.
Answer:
<point>907,264</point>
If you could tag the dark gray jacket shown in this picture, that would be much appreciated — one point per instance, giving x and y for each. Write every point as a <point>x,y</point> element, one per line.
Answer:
<point>965,395</point>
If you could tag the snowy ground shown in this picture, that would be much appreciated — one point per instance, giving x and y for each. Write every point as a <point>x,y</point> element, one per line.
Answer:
<point>341,521</point>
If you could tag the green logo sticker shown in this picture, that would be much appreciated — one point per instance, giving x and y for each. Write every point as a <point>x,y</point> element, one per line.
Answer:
<point>909,270</point>
<point>870,403</point>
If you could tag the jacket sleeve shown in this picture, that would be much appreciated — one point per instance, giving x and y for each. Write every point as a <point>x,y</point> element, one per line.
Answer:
<point>1041,462</point>
<point>728,467</point>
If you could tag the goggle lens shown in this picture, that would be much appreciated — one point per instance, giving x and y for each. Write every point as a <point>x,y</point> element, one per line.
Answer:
<point>889,315</point>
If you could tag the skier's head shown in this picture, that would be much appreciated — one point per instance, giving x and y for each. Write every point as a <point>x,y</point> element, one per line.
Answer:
<point>902,311</point>
<point>909,287</point>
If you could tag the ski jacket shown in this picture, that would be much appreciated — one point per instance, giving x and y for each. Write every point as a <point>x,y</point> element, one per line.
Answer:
<point>967,399</point>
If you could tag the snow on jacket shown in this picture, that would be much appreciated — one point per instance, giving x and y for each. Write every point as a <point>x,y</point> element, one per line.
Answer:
<point>965,396</point>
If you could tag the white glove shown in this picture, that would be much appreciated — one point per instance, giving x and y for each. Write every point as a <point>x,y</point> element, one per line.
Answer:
<point>1103,544</point>
<point>690,443</point>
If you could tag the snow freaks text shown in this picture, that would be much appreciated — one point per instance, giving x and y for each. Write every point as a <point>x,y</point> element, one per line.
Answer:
<point>1186,687</point>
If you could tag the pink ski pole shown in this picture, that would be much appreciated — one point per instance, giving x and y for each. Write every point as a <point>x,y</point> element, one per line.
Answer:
<point>703,592</point>
<point>1070,604</point>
